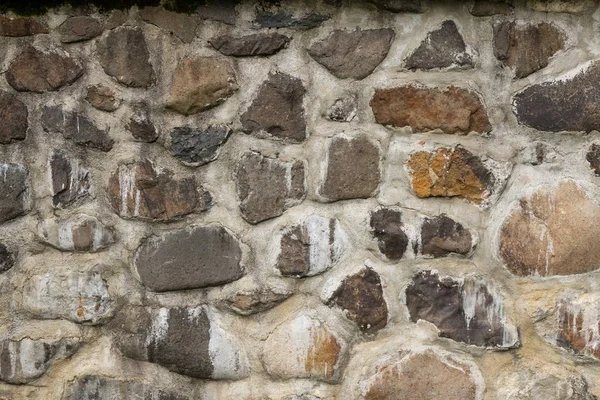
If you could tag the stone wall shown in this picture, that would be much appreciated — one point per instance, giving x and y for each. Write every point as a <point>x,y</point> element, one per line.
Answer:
<point>387,199</point>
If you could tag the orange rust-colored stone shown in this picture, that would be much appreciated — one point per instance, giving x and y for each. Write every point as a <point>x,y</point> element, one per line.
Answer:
<point>323,353</point>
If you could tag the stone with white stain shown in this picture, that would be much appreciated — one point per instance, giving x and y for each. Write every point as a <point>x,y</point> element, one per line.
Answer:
<point>81,233</point>
<point>15,195</point>
<point>70,181</point>
<point>102,387</point>
<point>535,383</point>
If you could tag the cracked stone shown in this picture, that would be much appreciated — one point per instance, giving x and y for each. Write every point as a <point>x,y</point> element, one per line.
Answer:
<point>70,180</point>
<point>258,44</point>
<point>195,147</point>
<point>15,196</point>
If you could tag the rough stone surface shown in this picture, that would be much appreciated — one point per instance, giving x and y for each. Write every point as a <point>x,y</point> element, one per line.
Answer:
<point>452,110</point>
<point>218,10</point>
<point>253,302</point>
<point>201,83</point>
<point>143,190</point>
<point>593,157</point>
<point>79,28</point>
<point>561,105</point>
<point>277,110</point>
<point>123,54</point>
<point>303,347</point>
<point>386,226</point>
<point>563,6</point>
<point>530,384</point>
<point>578,320</point>
<point>195,147</point>
<point>13,114</point>
<point>140,125</point>
<point>399,6</point>
<point>441,48</point>
<point>21,26</point>
<point>352,169</point>
<point>551,232</point>
<point>15,196</point>
<point>526,48</point>
<point>258,44</point>
<point>70,180</point>
<point>181,25</point>
<point>441,236</point>
<point>343,109</point>
<point>80,233</point>
<point>282,19</point>
<point>39,71</point>
<point>352,54</point>
<point>267,187</point>
<point>360,296</point>
<point>90,387</point>
<point>465,310</point>
<point>191,258</point>
<point>103,98</point>
<point>311,248</point>
<point>487,8</point>
<point>7,259</point>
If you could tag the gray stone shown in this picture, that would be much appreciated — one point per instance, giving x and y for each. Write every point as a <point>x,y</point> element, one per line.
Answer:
<point>13,114</point>
<point>352,54</point>
<point>486,8</point>
<point>190,258</point>
<point>115,19</point>
<point>15,196</point>
<point>181,25</point>
<point>258,44</point>
<point>69,179</point>
<point>195,147</point>
<point>343,109</point>
<point>267,187</point>
<point>103,98</point>
<point>218,10</point>
<point>140,125</point>
<point>79,28</point>
<point>80,233</point>
<point>283,19</point>
<point>535,383</point>
<point>21,26</point>
<point>441,236</point>
<point>92,387</point>
<point>387,228</point>
<point>399,6</point>
<point>7,259</point>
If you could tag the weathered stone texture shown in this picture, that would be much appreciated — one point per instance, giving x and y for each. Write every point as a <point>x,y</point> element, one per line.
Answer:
<point>76,127</point>
<point>578,321</point>
<point>486,8</point>
<point>181,25</point>
<point>140,125</point>
<point>21,26</point>
<point>386,226</point>
<point>103,98</point>
<point>593,157</point>
<point>7,258</point>
<point>81,233</point>
<point>563,6</point>
<point>399,6</point>
<point>195,147</point>
<point>441,236</point>
<point>252,302</point>
<point>90,387</point>
<point>258,44</point>
<point>283,19</point>
<point>343,109</point>
<point>79,28</point>
<point>70,180</point>
<point>531,384</point>
<point>15,193</point>
<point>13,114</point>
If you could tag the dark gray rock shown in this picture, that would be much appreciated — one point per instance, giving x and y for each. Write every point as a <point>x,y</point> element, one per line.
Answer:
<point>79,28</point>
<point>386,226</point>
<point>76,127</point>
<point>13,114</point>
<point>282,19</point>
<point>15,196</point>
<point>181,25</point>
<point>442,48</point>
<point>95,387</point>
<point>352,54</point>
<point>140,125</point>
<point>7,259</point>
<point>486,8</point>
<point>399,6</point>
<point>593,157</point>
<point>441,236</point>
<point>218,10</point>
<point>196,147</point>
<point>70,180</point>
<point>258,44</point>
<point>343,109</point>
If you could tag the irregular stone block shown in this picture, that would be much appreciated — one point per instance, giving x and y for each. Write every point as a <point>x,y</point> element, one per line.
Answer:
<point>352,169</point>
<point>181,25</point>
<point>399,6</point>
<point>452,110</point>
<point>81,297</point>
<point>195,147</point>
<point>526,48</point>
<point>352,54</point>
<point>267,187</point>
<point>277,110</point>
<point>99,387</point>
<point>21,26</point>
<point>103,98</point>
<point>387,228</point>
<point>441,236</point>
<point>70,181</point>
<point>441,48</point>
<point>563,6</point>
<point>76,127</point>
<point>567,104</point>
<point>282,19</point>
<point>7,259</point>
<point>343,109</point>
<point>304,347</point>
<point>189,258</point>
<point>311,248</point>
<point>140,125</point>
<point>258,44</point>
<point>15,196</point>
<point>593,157</point>
<point>253,302</point>
<point>23,360</point>
<point>360,296</point>
<point>81,233</point>
<point>462,309</point>
<point>535,383</point>
<point>487,8</point>
<point>39,71</point>
<point>79,28</point>
<point>218,10</point>
<point>201,83</point>
<point>142,190</point>
<point>13,114</point>
<point>124,55</point>
<point>577,327</point>
<point>552,232</point>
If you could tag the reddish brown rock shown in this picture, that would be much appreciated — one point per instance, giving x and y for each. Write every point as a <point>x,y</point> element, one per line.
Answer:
<point>552,232</point>
<point>386,225</point>
<point>21,26</point>
<point>252,302</point>
<point>578,323</point>
<point>258,44</point>
<point>452,110</point>
<point>181,25</point>
<point>103,98</point>
<point>13,114</point>
<point>79,28</point>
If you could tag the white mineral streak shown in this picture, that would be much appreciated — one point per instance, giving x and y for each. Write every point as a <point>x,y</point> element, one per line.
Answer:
<point>322,252</point>
<point>65,236</point>
<point>586,309</point>
<point>228,358</point>
<point>128,191</point>
<point>59,233</point>
<point>160,327</point>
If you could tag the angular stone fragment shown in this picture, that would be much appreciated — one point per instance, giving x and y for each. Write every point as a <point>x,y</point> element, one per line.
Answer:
<point>424,375</point>
<point>200,83</point>
<point>462,309</point>
<point>441,236</point>
<point>258,44</point>
<point>487,8</point>
<point>185,340</point>
<point>563,6</point>
<point>70,180</point>
<point>352,54</point>
<point>80,297</point>
<point>15,196</point>
<point>76,127</point>
<point>81,233</point>
<point>42,71</point>
<point>103,98</point>
<point>179,24</point>
<point>568,104</point>
<point>79,28</point>
<point>115,19</point>
<point>352,169</point>
<point>191,258</point>
<point>452,110</point>
<point>304,347</point>
<point>253,302</point>
<point>98,387</point>
<point>343,109</point>
<point>24,360</point>
<point>124,55</point>
<point>535,383</point>
<point>277,110</point>
<point>552,232</point>
<point>13,114</point>
<point>361,297</point>
<point>143,190</point>
<point>282,19</point>
<point>441,48</point>
<point>140,125</point>
<point>7,259</point>
<point>386,225</point>
<point>267,187</point>
<point>399,6</point>
<point>21,26</point>
<point>593,157</point>
<point>311,248</point>
<point>195,147</point>
<point>577,327</point>
<point>526,48</point>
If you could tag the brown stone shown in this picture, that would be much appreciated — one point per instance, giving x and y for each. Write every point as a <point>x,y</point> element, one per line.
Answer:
<point>486,8</point>
<point>353,170</point>
<point>70,180</point>
<point>452,110</point>
<point>552,232</point>
<point>253,302</point>
<point>80,233</point>
<point>140,125</point>
<point>13,114</point>
<point>79,28</point>
<point>526,48</point>
<point>593,157</point>
<point>386,225</point>
<point>450,172</point>
<point>201,83</point>
<point>181,25</point>
<point>21,26</point>
<point>42,71</point>
<point>103,98</point>
<point>578,323</point>
<point>441,236</point>
<point>258,44</point>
